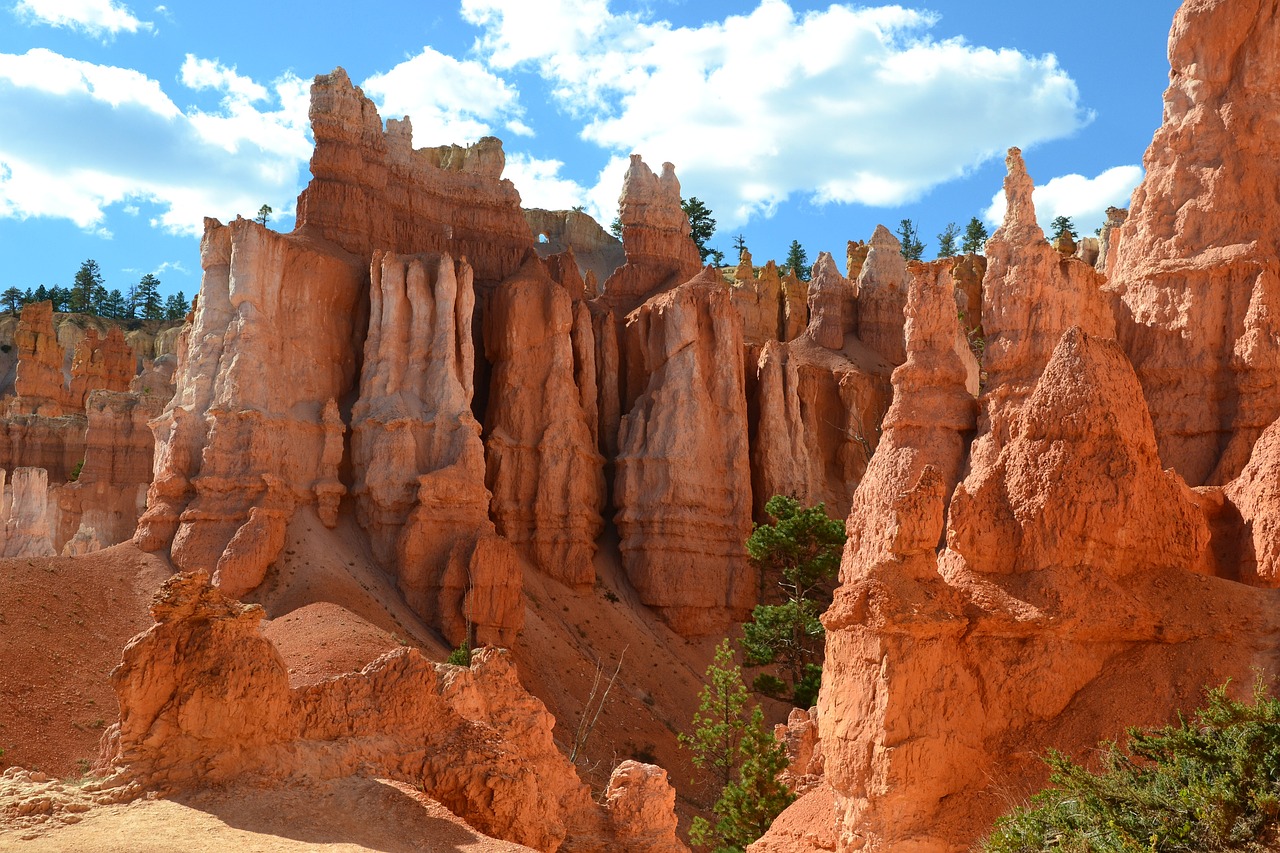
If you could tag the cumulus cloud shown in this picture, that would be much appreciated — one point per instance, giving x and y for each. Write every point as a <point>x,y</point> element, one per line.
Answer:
<point>79,138</point>
<point>541,185</point>
<point>448,100</point>
<point>95,17</point>
<point>1084,200</point>
<point>842,105</point>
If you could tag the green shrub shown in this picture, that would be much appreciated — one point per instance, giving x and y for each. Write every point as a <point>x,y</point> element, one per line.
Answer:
<point>461,656</point>
<point>1208,784</point>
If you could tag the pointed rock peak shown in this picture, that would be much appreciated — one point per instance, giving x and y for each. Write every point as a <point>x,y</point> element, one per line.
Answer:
<point>825,267</point>
<point>709,275</point>
<point>1020,224</point>
<point>883,240</point>
<point>745,271</point>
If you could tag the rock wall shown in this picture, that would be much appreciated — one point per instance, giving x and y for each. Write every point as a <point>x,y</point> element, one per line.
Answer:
<point>39,383</point>
<point>205,699</point>
<point>683,482</point>
<point>242,443</point>
<point>101,507</point>
<point>818,402</point>
<point>881,294</point>
<point>372,191</point>
<point>415,445</point>
<point>101,363</point>
<point>597,252</point>
<point>543,465</point>
<point>1198,269</point>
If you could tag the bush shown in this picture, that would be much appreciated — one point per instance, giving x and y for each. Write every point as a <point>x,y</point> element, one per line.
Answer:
<point>461,656</point>
<point>1211,784</point>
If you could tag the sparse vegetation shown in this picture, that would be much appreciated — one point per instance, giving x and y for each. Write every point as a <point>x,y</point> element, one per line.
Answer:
<point>947,241</point>
<point>461,656</point>
<point>975,237</point>
<point>1062,225</point>
<point>909,237</point>
<point>800,552</point>
<point>746,757</point>
<point>702,227</point>
<point>797,261</point>
<point>1211,783</point>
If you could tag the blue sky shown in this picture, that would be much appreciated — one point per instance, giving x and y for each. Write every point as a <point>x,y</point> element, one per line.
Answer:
<point>123,124</point>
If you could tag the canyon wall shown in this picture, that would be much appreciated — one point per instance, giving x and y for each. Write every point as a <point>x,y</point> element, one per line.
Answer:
<point>1197,270</point>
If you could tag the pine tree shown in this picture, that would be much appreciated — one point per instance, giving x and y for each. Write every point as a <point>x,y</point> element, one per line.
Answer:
<point>1061,224</point>
<point>912,246</point>
<point>59,297</point>
<point>615,227</point>
<point>264,214</point>
<point>88,279</point>
<point>975,237</point>
<point>947,241</point>
<point>702,226</point>
<point>41,294</point>
<point>11,299</point>
<point>801,551</point>
<point>739,245</point>
<point>150,304</point>
<point>175,308</point>
<point>113,305</point>
<point>797,261</point>
<point>719,725</point>
<point>748,805</point>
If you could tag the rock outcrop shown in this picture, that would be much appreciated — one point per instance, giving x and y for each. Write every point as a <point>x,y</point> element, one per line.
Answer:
<point>881,293</point>
<point>818,403</point>
<point>987,609</point>
<point>205,699</point>
<point>39,383</point>
<point>26,514</point>
<point>246,428</point>
<point>415,445</point>
<point>1197,270</point>
<point>543,466</point>
<point>373,191</point>
<point>101,363</point>
<point>655,237</point>
<point>682,486</point>
<point>597,252</point>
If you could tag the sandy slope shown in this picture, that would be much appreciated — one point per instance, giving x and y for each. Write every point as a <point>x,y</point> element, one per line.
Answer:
<point>343,817</point>
<point>63,623</point>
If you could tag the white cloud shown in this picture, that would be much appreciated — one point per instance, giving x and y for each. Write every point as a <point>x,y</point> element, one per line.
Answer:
<point>78,138</point>
<point>448,100</point>
<point>842,105</point>
<point>541,185</point>
<point>95,17</point>
<point>1084,200</point>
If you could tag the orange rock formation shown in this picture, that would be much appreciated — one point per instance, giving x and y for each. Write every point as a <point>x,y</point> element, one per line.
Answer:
<point>205,698</point>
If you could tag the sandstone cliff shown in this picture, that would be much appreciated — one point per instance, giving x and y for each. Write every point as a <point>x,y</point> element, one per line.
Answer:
<point>1196,270</point>
<point>543,465</point>
<point>373,191</point>
<point>597,252</point>
<point>988,610</point>
<point>683,485</point>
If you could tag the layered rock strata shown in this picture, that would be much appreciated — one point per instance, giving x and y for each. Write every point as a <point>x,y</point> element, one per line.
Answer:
<point>543,465</point>
<point>1198,270</point>
<point>817,407</point>
<point>373,191</point>
<point>415,445</point>
<point>655,238</point>
<point>988,608</point>
<point>881,294</point>
<point>596,252</point>
<point>205,699</point>
<point>682,485</point>
<point>242,443</point>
